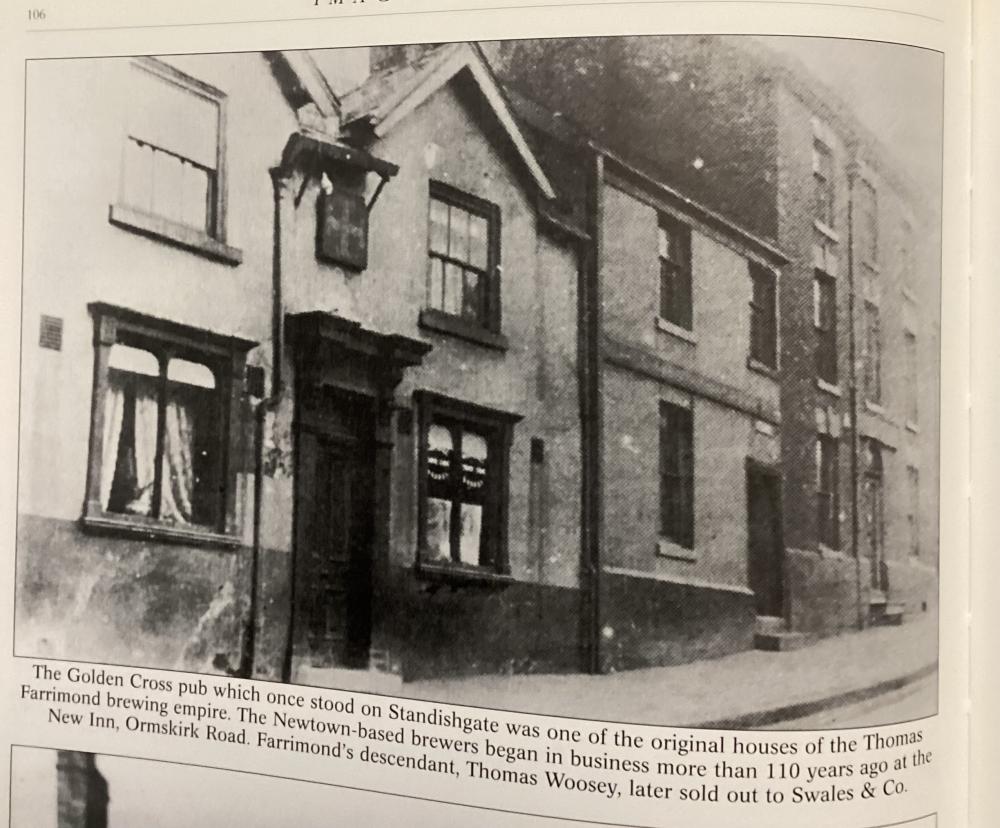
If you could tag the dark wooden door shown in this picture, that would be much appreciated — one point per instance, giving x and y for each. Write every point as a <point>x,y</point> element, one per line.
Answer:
<point>766,557</point>
<point>334,535</point>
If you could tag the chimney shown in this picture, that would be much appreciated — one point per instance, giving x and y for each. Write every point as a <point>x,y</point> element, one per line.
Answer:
<point>396,56</point>
<point>345,68</point>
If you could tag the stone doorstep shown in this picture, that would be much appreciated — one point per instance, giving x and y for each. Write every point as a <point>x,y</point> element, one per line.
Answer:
<point>779,642</point>
<point>892,616</point>
<point>772,635</point>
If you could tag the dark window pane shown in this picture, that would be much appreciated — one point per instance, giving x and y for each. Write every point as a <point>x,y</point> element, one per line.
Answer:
<point>763,317</point>
<point>674,243</point>
<point>677,475</point>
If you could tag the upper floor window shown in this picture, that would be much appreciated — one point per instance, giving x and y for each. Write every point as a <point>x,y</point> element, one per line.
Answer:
<point>825,321</point>
<point>873,354</point>
<point>823,184</point>
<point>764,315</point>
<point>172,157</point>
<point>677,474</point>
<point>912,378</point>
<point>463,268</point>
<point>163,421</point>
<point>907,268</point>
<point>866,203</point>
<point>674,242</point>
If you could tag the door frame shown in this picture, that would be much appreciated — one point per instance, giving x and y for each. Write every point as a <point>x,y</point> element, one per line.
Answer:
<point>771,473</point>
<point>360,443</point>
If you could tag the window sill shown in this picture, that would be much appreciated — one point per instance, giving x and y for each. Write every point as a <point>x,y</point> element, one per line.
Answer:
<point>827,231</point>
<point>459,575</point>
<point>830,388</point>
<point>875,408</point>
<point>676,331</point>
<point>441,322</point>
<point>171,232</point>
<point>762,368</point>
<point>910,296</point>
<point>912,427</point>
<point>871,266</point>
<point>141,530</point>
<point>675,552</point>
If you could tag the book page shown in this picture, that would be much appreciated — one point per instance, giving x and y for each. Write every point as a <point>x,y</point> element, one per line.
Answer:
<point>510,415</point>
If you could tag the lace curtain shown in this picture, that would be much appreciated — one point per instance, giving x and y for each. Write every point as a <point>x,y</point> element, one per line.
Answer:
<point>128,467</point>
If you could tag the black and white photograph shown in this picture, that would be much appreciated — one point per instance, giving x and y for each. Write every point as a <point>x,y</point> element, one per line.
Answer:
<point>594,377</point>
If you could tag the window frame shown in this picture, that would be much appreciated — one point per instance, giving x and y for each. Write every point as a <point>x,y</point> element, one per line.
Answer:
<point>678,270</point>
<point>488,329</point>
<point>826,336</point>
<point>211,241</point>
<point>913,509</point>
<point>824,184</point>
<point>873,491</point>
<point>827,499</point>
<point>677,485</point>
<point>497,428</point>
<point>868,226</point>
<point>873,374</point>
<point>226,355</point>
<point>759,272</point>
<point>911,353</point>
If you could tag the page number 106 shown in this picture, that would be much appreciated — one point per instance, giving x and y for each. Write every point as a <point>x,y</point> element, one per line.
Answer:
<point>36,14</point>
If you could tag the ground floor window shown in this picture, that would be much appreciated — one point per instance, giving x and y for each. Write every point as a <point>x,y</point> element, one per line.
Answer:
<point>162,418</point>
<point>464,491</point>
<point>827,495</point>
<point>677,474</point>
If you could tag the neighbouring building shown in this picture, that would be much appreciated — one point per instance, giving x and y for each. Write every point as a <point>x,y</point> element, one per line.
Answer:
<point>308,362</point>
<point>752,135</point>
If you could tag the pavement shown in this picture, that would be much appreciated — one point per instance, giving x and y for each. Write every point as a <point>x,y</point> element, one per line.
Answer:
<point>752,689</point>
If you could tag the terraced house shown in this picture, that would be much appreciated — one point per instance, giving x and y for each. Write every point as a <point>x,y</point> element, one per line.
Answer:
<point>750,133</point>
<point>300,379</point>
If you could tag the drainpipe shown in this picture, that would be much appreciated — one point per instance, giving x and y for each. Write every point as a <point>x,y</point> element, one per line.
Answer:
<point>853,399</point>
<point>268,404</point>
<point>591,427</point>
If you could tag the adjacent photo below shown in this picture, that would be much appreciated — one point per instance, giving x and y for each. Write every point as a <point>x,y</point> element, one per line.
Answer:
<point>593,377</point>
<point>70,789</point>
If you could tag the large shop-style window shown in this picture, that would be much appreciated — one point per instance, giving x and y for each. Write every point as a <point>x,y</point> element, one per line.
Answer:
<point>677,474</point>
<point>827,491</point>
<point>676,303</point>
<point>162,430</point>
<point>764,315</point>
<point>825,321</point>
<point>464,453</point>
<point>172,156</point>
<point>463,257</point>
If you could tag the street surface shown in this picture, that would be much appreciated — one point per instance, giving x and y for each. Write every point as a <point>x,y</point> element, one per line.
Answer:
<point>912,702</point>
